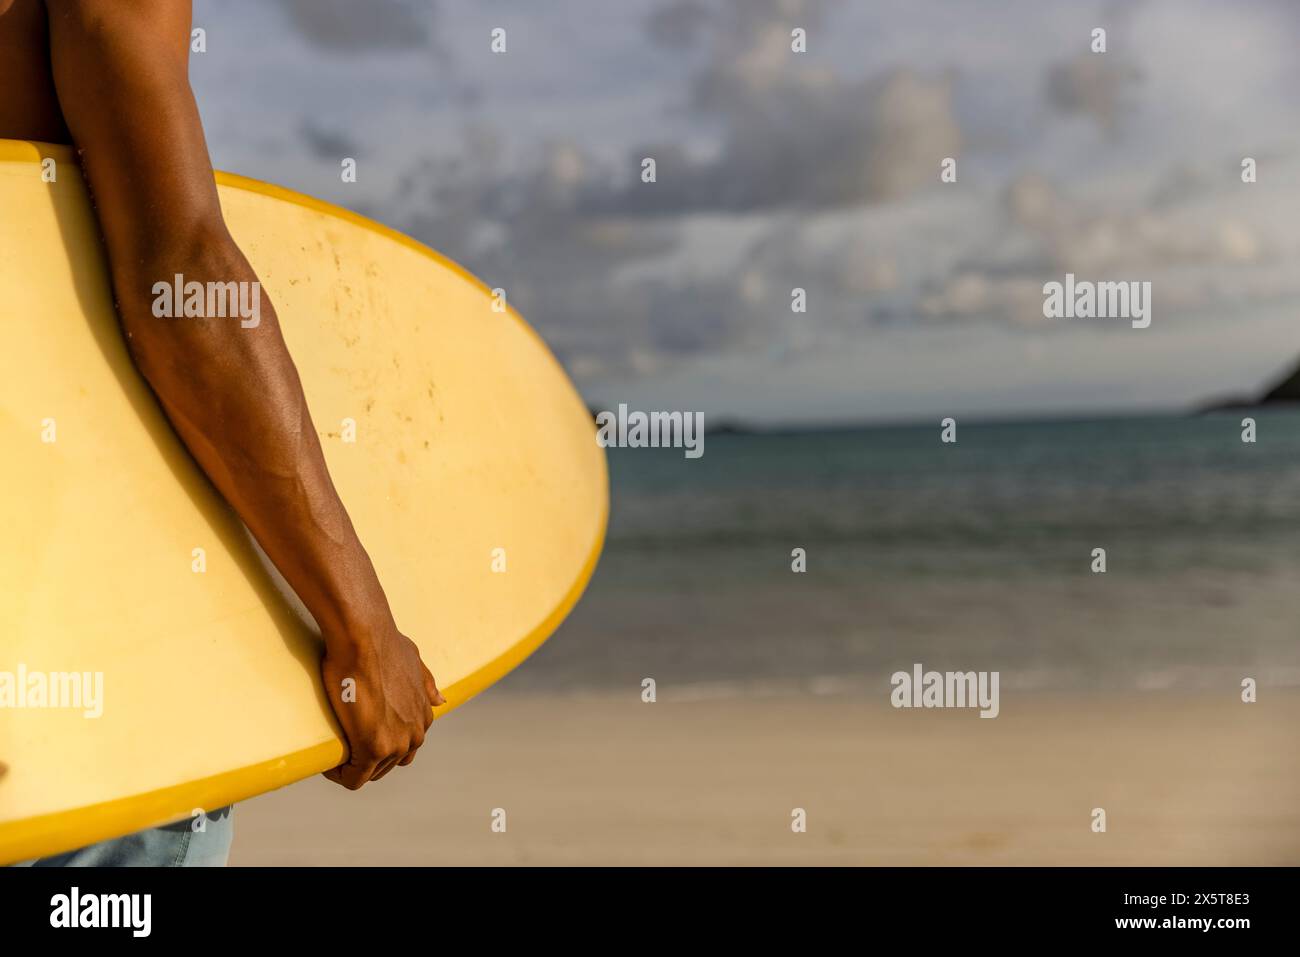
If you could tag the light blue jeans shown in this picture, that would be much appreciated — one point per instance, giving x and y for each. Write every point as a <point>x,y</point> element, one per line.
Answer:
<point>176,845</point>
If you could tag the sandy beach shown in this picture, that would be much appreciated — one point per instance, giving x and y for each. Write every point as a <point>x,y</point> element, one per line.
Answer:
<point>1185,779</point>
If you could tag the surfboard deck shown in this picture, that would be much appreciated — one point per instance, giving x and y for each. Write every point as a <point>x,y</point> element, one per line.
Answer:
<point>469,438</point>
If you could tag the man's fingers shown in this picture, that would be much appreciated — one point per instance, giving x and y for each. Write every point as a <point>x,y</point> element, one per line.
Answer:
<point>384,767</point>
<point>354,774</point>
<point>431,689</point>
<point>354,778</point>
<point>416,745</point>
<point>410,755</point>
<point>358,772</point>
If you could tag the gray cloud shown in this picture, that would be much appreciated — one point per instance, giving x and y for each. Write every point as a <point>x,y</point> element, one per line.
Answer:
<point>810,144</point>
<point>678,23</point>
<point>794,133</point>
<point>328,144</point>
<point>1094,85</point>
<point>356,26</point>
<point>526,232</point>
<point>750,49</point>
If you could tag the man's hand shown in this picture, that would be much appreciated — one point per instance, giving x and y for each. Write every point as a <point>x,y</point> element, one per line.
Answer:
<point>383,696</point>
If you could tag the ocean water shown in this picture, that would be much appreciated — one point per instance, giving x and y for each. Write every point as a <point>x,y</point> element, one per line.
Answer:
<point>968,556</point>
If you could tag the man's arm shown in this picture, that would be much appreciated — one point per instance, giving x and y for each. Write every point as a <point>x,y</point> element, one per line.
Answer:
<point>121,68</point>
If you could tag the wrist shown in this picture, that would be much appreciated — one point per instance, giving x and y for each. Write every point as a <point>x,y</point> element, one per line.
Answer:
<point>353,626</point>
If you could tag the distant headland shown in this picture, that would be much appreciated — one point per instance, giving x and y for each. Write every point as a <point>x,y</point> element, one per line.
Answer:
<point>1285,391</point>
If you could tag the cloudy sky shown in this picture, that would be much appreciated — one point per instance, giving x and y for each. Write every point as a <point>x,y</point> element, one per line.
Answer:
<point>817,170</point>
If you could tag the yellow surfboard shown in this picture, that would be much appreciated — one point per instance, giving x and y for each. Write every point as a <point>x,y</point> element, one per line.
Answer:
<point>149,667</point>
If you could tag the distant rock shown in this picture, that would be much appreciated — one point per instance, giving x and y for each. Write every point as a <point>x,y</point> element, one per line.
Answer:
<point>728,427</point>
<point>1286,390</point>
<point>1226,404</point>
<point>1283,392</point>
